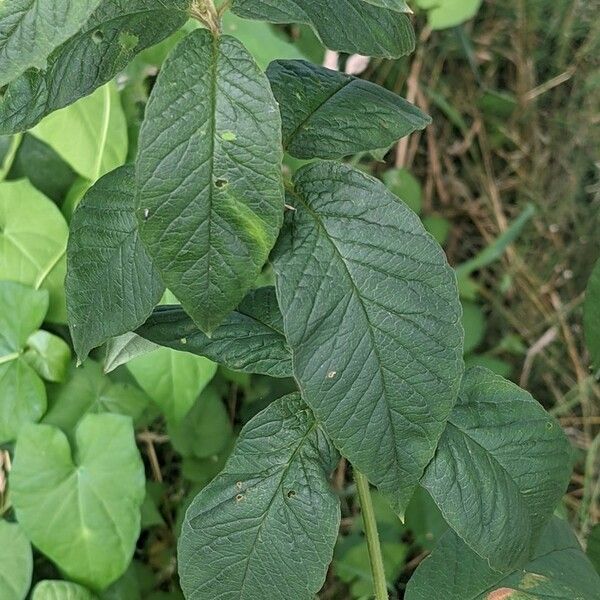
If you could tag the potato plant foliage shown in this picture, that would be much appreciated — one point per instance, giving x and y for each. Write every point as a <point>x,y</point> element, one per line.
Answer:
<point>364,316</point>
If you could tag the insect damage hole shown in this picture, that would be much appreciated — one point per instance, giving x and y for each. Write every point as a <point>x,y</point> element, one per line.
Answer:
<point>221,183</point>
<point>291,494</point>
<point>98,36</point>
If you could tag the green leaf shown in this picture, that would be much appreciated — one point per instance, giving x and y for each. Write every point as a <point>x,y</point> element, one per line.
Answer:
<point>89,391</point>
<point>16,562</point>
<point>327,114</point>
<point>593,547</point>
<point>32,29</point>
<point>210,187</point>
<point>104,46</point>
<point>397,5</point>
<point>9,147</point>
<point>352,26</point>
<point>558,569</point>
<point>111,283</point>
<point>372,315</point>
<point>251,338</point>
<point>90,135</point>
<point>500,469</point>
<point>449,13</point>
<point>172,379</point>
<point>591,316</point>
<point>81,506</point>
<point>49,355</point>
<point>406,186</point>
<point>123,348</point>
<point>60,590</point>
<point>474,323</point>
<point>269,511</point>
<point>33,242</point>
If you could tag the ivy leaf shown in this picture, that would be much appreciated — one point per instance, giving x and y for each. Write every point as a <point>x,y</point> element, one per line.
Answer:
<point>557,569</point>
<point>97,133</point>
<point>33,242</point>
<point>108,41</point>
<point>251,338</point>
<point>500,469</point>
<point>32,29</point>
<point>270,510</point>
<point>352,26</point>
<point>49,355</point>
<point>372,315</point>
<point>327,114</point>
<point>209,175</point>
<point>60,590</point>
<point>81,506</point>
<point>17,562</point>
<point>111,283</point>
<point>591,316</point>
<point>172,379</point>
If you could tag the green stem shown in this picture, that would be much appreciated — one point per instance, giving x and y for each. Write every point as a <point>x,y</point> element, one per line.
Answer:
<point>375,556</point>
<point>9,357</point>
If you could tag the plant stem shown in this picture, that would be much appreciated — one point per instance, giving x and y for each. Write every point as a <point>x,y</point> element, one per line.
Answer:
<point>375,556</point>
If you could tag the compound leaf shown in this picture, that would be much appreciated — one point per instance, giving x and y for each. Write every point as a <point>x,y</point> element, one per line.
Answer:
<point>17,562</point>
<point>591,316</point>
<point>270,510</point>
<point>111,283</point>
<point>209,175</point>
<point>372,315</point>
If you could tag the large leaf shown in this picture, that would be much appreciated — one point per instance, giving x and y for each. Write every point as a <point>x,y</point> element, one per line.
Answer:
<point>372,315</point>
<point>327,114</point>
<point>352,26</point>
<point>591,316</point>
<point>31,29</point>
<point>33,243</point>
<point>110,38</point>
<point>557,570</point>
<point>209,175</point>
<point>60,590</point>
<point>91,135</point>
<point>81,506</point>
<point>500,469</point>
<point>111,283</point>
<point>251,338</point>
<point>16,562</point>
<point>172,379</point>
<point>267,525</point>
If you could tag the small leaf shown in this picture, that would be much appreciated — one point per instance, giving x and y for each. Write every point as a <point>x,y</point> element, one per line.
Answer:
<point>500,469</point>
<point>49,355</point>
<point>251,338</point>
<point>32,29</point>
<point>81,506</point>
<point>558,569</point>
<point>372,315</point>
<point>209,175</point>
<point>327,114</point>
<point>111,283</point>
<point>474,323</point>
<point>60,590</point>
<point>123,348</point>
<point>16,562</point>
<point>448,13</point>
<point>591,316</point>
<point>269,511</point>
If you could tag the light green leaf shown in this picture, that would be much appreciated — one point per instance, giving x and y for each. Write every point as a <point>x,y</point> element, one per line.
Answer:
<point>80,506</point>
<point>49,355</point>
<point>172,379</point>
<point>96,140</point>
<point>327,114</point>
<point>449,13</point>
<point>557,570</point>
<point>16,562</point>
<point>9,146</point>
<point>406,186</point>
<point>123,348</point>
<point>251,338</point>
<point>500,469</point>
<point>269,511</point>
<point>591,316</point>
<point>103,47</point>
<point>474,323</point>
<point>111,283</point>
<point>31,29</point>
<point>33,242</point>
<point>352,26</point>
<point>372,315</point>
<point>210,187</point>
<point>60,590</point>
<point>89,391</point>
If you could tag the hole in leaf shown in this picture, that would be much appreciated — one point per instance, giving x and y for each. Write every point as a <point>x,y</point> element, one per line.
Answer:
<point>291,494</point>
<point>221,183</point>
<point>97,37</point>
<point>239,497</point>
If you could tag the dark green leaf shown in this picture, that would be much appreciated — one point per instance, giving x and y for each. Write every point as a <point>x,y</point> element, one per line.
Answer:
<point>327,114</point>
<point>16,562</point>
<point>500,469</point>
<point>112,36</point>
<point>250,339</point>
<point>265,527</point>
<point>558,570</point>
<point>352,26</point>
<point>591,316</point>
<point>372,315</point>
<point>111,283</point>
<point>593,546</point>
<point>397,5</point>
<point>209,175</point>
